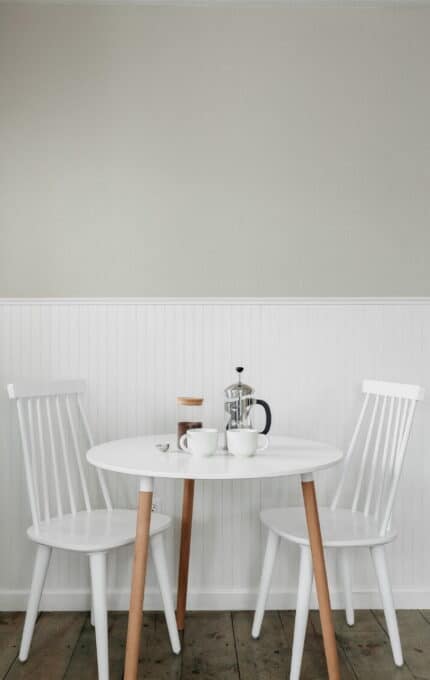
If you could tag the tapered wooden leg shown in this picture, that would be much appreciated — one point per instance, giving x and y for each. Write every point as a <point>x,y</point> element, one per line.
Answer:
<point>314,530</point>
<point>184,555</point>
<point>138,580</point>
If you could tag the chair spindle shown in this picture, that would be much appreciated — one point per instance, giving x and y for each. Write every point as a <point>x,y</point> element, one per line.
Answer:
<point>65,457</point>
<point>45,489</point>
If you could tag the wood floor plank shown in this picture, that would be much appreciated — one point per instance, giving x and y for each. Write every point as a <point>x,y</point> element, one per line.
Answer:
<point>267,658</point>
<point>10,634</point>
<point>209,648</point>
<point>415,637</point>
<point>366,647</point>
<point>83,662</point>
<point>157,661</point>
<point>314,664</point>
<point>217,646</point>
<point>426,614</point>
<point>54,640</point>
<point>118,622</point>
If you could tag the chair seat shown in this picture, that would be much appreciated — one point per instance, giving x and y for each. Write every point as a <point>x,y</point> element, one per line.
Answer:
<point>340,527</point>
<point>94,531</point>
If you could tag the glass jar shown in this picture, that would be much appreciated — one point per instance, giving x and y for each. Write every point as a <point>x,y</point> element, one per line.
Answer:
<point>189,414</point>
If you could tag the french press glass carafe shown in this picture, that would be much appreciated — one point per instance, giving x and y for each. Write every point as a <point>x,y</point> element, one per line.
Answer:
<point>239,404</point>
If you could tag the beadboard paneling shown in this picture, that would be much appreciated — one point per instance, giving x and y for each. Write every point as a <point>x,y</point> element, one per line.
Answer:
<point>305,357</point>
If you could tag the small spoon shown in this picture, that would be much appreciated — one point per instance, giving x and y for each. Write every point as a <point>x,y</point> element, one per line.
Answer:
<point>163,447</point>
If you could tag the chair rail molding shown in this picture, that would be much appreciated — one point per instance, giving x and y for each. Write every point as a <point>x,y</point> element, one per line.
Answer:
<point>306,357</point>
<point>294,301</point>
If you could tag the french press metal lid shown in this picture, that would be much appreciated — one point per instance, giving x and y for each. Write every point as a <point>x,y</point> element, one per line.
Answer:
<point>239,389</point>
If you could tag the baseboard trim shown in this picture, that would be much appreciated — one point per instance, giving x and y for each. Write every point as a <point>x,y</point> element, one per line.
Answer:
<point>214,600</point>
<point>208,301</point>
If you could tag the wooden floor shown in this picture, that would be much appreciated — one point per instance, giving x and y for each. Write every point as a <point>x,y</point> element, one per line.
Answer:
<point>216,645</point>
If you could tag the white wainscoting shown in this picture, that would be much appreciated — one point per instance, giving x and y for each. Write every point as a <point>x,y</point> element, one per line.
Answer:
<point>305,357</point>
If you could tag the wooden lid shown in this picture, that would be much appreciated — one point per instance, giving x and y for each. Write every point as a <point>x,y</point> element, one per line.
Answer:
<point>190,401</point>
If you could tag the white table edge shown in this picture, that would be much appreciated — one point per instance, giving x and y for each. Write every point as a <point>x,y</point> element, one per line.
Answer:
<point>336,457</point>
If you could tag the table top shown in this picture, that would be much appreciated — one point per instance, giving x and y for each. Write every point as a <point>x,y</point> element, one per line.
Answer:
<point>139,456</point>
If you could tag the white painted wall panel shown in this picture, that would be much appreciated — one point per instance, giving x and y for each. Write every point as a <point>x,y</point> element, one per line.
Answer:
<point>306,358</point>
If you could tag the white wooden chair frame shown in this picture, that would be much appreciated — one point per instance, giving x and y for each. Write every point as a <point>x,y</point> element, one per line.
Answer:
<point>41,408</point>
<point>365,524</point>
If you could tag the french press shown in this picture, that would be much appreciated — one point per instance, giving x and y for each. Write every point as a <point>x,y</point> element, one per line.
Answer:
<point>239,403</point>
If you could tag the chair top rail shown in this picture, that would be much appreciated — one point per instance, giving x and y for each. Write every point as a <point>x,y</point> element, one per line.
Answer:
<point>391,389</point>
<point>27,388</point>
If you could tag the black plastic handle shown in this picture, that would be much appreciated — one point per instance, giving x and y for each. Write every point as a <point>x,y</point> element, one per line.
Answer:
<point>268,413</point>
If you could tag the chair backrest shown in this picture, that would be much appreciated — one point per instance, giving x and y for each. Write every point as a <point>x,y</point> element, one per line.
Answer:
<point>54,433</point>
<point>379,443</point>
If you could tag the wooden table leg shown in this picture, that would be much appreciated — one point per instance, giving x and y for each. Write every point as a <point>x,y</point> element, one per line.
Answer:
<point>315,540</point>
<point>138,580</point>
<point>184,555</point>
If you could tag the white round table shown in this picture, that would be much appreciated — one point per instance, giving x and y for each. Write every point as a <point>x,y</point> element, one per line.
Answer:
<point>285,457</point>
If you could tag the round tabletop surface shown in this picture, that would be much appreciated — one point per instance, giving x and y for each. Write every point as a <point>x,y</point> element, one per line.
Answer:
<point>139,456</point>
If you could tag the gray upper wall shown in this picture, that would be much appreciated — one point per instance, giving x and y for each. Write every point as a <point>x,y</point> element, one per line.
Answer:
<point>214,151</point>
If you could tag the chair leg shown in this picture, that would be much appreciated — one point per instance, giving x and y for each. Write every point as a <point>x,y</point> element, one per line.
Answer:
<point>160,564</point>
<point>379,561</point>
<point>40,570</point>
<point>302,611</point>
<point>345,574</point>
<point>272,546</point>
<point>99,599</point>
<point>92,622</point>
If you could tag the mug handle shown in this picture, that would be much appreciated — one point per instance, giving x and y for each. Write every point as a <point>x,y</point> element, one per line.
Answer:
<point>181,443</point>
<point>268,413</point>
<point>266,442</point>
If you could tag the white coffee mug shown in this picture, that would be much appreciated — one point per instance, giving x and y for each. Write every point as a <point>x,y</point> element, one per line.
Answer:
<point>244,442</point>
<point>202,441</point>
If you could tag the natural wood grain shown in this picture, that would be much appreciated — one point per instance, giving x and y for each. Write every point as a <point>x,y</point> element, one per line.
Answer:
<point>426,614</point>
<point>10,634</point>
<point>118,622</point>
<point>157,661</point>
<point>217,646</point>
<point>83,662</point>
<point>267,658</point>
<point>313,663</point>
<point>320,575</point>
<point>138,585</point>
<point>184,554</point>
<point>54,640</point>
<point>367,647</point>
<point>415,637</point>
<point>209,647</point>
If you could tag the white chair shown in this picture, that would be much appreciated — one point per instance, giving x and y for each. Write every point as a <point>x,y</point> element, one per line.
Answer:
<point>380,439</point>
<point>54,429</point>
